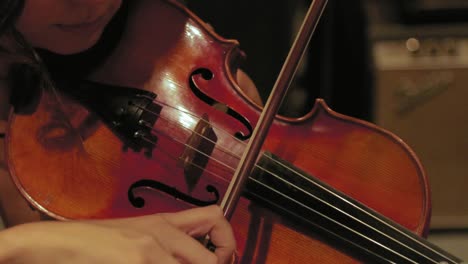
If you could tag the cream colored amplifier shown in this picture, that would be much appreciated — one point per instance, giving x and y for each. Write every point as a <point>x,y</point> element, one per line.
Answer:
<point>422,96</point>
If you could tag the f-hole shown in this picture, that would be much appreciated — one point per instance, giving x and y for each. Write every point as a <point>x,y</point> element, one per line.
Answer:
<point>206,74</point>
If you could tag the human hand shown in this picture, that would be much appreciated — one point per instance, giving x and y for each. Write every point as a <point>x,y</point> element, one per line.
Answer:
<point>160,238</point>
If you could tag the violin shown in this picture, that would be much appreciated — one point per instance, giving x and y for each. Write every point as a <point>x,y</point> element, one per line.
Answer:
<point>161,126</point>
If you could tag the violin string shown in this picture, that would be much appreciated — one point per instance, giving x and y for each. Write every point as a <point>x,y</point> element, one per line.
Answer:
<point>360,209</point>
<point>332,220</point>
<point>191,163</point>
<point>302,205</point>
<point>309,180</point>
<point>193,148</point>
<point>297,188</point>
<point>292,199</point>
<point>198,117</point>
<point>178,124</point>
<point>306,178</point>
<point>312,182</point>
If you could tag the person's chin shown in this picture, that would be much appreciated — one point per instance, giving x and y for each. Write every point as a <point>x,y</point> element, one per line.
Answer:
<point>69,46</point>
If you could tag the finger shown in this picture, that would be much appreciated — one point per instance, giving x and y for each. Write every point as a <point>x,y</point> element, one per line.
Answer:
<point>184,247</point>
<point>207,220</point>
<point>173,239</point>
<point>195,222</point>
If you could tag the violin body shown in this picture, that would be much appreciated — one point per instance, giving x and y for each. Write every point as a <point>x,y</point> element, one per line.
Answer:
<point>72,163</point>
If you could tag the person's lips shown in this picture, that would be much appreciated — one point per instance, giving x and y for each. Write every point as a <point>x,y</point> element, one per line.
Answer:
<point>84,27</point>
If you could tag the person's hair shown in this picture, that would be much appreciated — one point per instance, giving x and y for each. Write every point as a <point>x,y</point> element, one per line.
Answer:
<point>31,69</point>
<point>9,12</point>
<point>24,72</point>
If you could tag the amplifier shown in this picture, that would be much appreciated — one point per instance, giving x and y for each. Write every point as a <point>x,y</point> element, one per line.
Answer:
<point>421,95</point>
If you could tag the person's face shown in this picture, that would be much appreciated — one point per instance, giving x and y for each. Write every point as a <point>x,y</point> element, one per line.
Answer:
<point>65,26</point>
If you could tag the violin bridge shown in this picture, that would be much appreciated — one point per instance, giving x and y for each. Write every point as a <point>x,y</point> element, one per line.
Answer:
<point>197,152</point>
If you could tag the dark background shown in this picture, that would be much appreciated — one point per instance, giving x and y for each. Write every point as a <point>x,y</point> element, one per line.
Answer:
<point>337,66</point>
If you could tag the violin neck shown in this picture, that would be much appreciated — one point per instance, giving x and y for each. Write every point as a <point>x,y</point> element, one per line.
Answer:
<point>333,215</point>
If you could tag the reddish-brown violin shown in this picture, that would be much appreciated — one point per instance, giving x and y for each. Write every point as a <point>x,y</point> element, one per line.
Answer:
<point>161,126</point>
